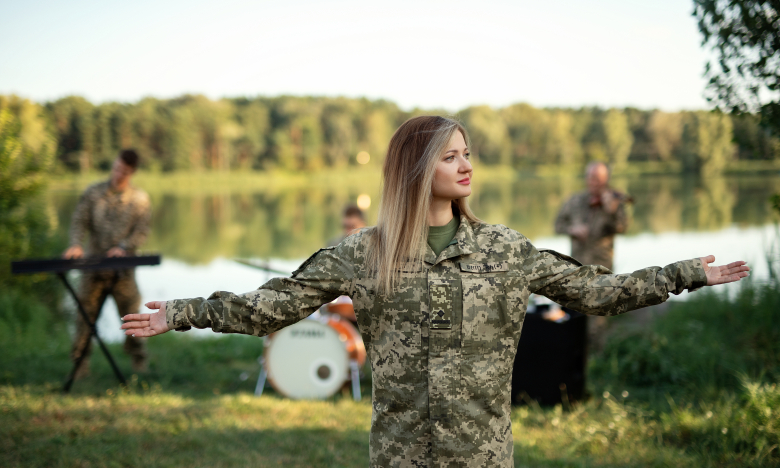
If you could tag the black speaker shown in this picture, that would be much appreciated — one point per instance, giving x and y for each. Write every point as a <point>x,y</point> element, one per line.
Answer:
<point>550,361</point>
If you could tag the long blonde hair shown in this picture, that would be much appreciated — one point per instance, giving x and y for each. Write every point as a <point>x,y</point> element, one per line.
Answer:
<point>410,165</point>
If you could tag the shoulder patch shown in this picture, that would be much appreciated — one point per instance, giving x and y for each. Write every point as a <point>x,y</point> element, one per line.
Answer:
<point>561,256</point>
<point>309,260</point>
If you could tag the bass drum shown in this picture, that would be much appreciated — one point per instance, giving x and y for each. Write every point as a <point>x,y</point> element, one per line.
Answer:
<point>310,360</point>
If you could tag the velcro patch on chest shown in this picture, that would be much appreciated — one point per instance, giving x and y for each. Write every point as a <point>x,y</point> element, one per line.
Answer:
<point>488,267</point>
<point>441,307</point>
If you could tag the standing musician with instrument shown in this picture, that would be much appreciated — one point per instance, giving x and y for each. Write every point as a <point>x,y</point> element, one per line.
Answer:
<point>440,319</point>
<point>115,217</point>
<point>591,219</point>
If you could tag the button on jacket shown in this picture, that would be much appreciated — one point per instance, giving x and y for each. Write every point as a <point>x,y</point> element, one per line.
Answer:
<point>442,345</point>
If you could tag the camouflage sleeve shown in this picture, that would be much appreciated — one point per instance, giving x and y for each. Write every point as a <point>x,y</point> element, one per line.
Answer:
<point>140,229</point>
<point>595,290</point>
<point>79,223</point>
<point>563,220</point>
<point>278,303</point>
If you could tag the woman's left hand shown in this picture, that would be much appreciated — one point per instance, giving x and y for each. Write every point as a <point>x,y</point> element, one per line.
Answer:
<point>723,274</point>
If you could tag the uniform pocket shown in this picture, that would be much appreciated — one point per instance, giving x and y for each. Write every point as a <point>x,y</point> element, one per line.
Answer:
<point>396,320</point>
<point>486,316</point>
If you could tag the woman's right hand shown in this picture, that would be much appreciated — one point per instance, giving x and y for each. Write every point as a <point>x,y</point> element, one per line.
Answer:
<point>143,325</point>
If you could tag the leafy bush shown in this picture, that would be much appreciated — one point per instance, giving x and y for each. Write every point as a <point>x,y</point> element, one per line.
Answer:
<point>26,155</point>
<point>33,347</point>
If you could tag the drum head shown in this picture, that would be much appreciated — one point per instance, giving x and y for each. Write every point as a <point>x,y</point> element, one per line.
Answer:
<point>306,361</point>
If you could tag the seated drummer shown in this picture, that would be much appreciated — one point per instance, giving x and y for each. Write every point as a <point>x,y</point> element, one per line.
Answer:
<point>114,216</point>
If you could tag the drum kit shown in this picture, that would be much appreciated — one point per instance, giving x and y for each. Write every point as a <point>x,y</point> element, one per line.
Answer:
<point>316,357</point>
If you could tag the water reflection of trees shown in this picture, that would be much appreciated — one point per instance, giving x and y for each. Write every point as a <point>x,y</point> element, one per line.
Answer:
<point>290,224</point>
<point>294,223</point>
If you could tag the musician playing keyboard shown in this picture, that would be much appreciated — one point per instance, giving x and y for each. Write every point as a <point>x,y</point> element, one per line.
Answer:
<point>113,218</point>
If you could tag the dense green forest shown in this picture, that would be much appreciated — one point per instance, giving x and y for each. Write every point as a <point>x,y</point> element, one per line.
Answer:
<point>309,133</point>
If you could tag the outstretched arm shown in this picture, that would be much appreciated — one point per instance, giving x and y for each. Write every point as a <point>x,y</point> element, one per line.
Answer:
<point>278,303</point>
<point>595,290</point>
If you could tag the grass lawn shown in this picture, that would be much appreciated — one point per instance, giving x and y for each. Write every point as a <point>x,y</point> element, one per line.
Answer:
<point>141,426</point>
<point>137,427</point>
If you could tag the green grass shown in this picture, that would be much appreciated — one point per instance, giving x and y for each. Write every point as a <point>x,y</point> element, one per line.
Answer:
<point>137,427</point>
<point>147,426</point>
<point>696,388</point>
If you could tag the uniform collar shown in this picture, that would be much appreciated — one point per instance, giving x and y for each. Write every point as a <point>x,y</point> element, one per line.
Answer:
<point>464,243</point>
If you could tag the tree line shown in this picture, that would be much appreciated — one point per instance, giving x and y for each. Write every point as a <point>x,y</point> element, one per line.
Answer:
<point>193,132</point>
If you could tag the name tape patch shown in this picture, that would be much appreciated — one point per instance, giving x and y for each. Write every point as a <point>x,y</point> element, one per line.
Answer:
<point>484,267</point>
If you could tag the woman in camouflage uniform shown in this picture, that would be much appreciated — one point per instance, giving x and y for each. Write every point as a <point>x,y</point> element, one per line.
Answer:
<point>440,299</point>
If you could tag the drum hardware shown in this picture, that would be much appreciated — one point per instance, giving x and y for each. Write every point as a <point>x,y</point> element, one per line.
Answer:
<point>355,377</point>
<point>260,386</point>
<point>60,267</point>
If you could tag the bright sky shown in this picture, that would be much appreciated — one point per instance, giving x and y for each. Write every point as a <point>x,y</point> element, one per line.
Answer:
<point>426,53</point>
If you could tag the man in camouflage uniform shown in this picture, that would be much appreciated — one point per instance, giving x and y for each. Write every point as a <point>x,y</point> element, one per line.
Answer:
<point>442,345</point>
<point>115,217</point>
<point>591,219</point>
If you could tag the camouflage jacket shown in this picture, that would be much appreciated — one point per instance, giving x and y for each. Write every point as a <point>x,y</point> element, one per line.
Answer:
<point>442,346</point>
<point>602,226</point>
<point>111,219</point>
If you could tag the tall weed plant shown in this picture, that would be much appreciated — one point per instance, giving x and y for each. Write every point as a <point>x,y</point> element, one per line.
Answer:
<point>736,430</point>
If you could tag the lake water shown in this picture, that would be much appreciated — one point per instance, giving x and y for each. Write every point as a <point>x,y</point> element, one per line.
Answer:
<point>200,232</point>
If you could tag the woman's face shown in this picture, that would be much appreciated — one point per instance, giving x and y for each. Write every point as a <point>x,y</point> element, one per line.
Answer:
<point>453,171</point>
